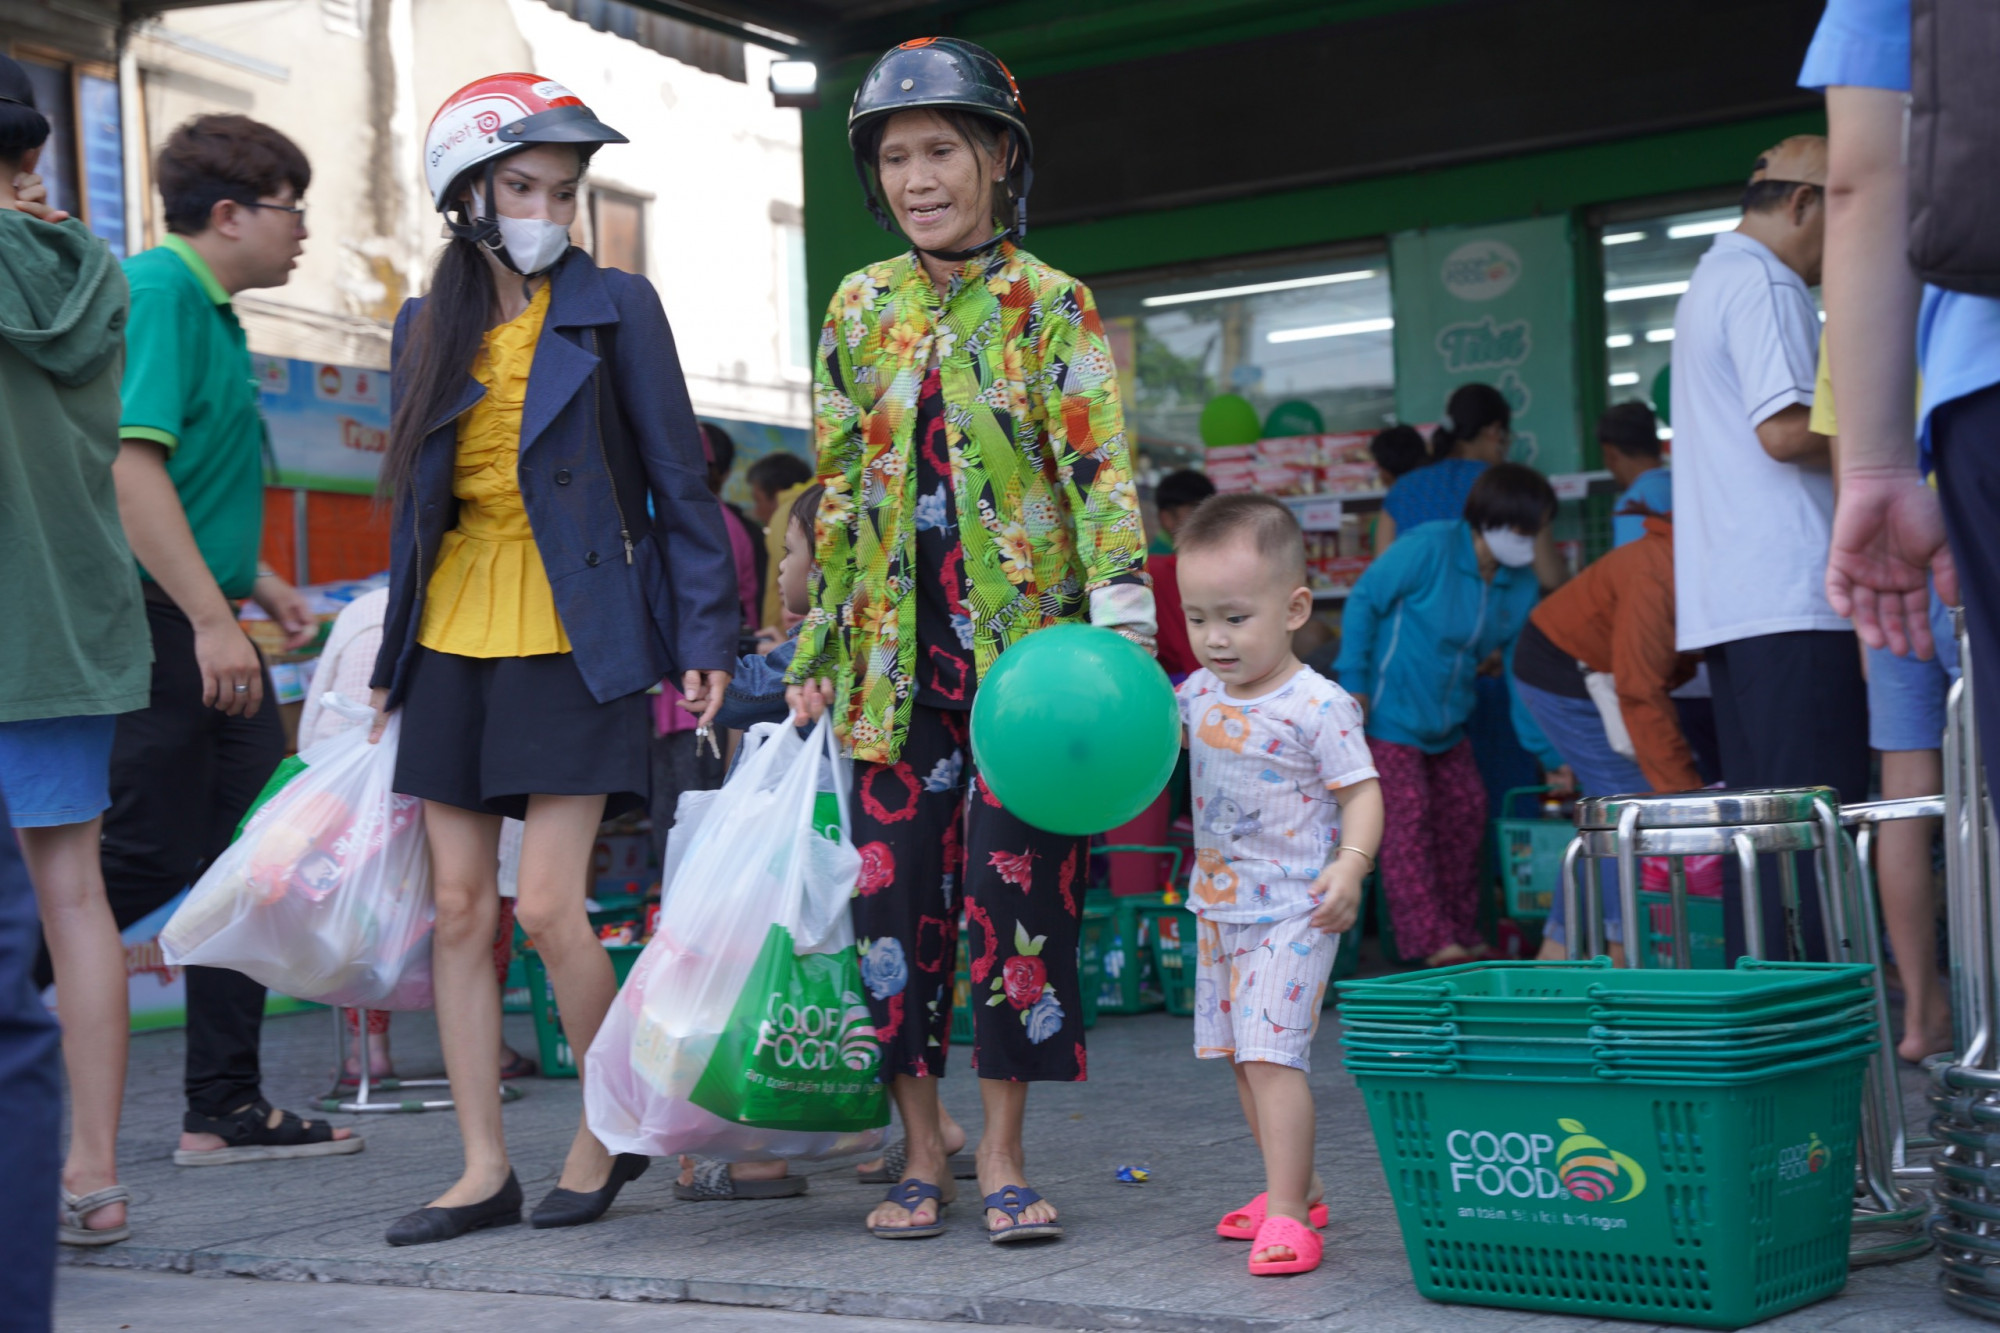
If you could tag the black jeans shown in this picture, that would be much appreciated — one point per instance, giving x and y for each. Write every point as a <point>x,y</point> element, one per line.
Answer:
<point>182,775</point>
<point>1791,710</point>
<point>1965,443</point>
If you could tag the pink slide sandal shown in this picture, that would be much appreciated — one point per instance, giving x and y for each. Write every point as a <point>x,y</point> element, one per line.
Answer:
<point>1242,1223</point>
<point>1301,1240</point>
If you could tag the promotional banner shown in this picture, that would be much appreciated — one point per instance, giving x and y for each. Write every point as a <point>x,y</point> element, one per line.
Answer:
<point>329,425</point>
<point>1492,305</point>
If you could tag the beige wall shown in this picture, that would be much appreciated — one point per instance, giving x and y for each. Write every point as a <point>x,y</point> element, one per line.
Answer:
<point>716,162</point>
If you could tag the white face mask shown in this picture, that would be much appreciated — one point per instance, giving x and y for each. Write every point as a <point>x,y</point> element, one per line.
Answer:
<point>1509,547</point>
<point>532,243</point>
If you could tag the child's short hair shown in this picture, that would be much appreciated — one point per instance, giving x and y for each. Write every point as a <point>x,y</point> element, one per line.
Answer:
<point>776,473</point>
<point>217,157</point>
<point>1630,427</point>
<point>1267,523</point>
<point>805,509</point>
<point>1399,450</point>
<point>1510,495</point>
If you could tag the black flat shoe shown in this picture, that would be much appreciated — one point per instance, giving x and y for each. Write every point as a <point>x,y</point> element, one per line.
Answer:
<point>427,1225</point>
<point>571,1208</point>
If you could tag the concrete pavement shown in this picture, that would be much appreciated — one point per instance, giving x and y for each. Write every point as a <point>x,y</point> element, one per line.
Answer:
<point>1136,1257</point>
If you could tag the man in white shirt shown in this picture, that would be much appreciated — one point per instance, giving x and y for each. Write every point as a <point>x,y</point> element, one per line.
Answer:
<point>1753,508</point>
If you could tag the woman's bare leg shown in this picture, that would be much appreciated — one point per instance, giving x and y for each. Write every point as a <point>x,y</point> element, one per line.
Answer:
<point>555,870</point>
<point>917,1102</point>
<point>465,876</point>
<point>91,990</point>
<point>1002,1159</point>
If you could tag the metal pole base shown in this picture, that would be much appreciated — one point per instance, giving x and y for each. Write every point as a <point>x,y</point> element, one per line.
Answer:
<point>364,1103</point>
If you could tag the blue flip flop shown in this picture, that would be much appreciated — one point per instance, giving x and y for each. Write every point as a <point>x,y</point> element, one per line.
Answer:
<point>1013,1200</point>
<point>911,1195</point>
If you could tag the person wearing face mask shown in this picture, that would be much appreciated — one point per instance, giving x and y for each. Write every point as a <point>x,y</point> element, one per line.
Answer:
<point>1419,622</point>
<point>556,551</point>
<point>978,488</point>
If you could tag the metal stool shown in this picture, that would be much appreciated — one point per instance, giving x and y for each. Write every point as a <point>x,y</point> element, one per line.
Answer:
<point>1787,823</point>
<point>363,1103</point>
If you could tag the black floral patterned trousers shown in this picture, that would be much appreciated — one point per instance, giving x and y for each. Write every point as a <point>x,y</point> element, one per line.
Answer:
<point>927,828</point>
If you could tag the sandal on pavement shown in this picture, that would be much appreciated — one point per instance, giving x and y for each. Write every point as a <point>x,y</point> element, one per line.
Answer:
<point>76,1207</point>
<point>517,1065</point>
<point>1013,1200</point>
<point>249,1136</point>
<point>896,1160</point>
<point>1242,1223</point>
<point>714,1184</point>
<point>1304,1243</point>
<point>911,1195</point>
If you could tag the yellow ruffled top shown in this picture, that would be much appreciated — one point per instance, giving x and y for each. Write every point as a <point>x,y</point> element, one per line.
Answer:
<point>489,593</point>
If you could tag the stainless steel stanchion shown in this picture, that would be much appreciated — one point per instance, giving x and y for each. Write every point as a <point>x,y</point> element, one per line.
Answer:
<point>1965,1086</point>
<point>1786,823</point>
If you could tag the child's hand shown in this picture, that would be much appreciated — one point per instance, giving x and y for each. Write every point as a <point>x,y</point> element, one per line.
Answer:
<point>1338,888</point>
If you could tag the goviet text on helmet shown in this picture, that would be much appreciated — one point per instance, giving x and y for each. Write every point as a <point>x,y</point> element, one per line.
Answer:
<point>500,114</point>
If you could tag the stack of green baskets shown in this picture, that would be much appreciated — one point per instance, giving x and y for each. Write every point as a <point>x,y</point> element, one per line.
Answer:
<point>1667,1145</point>
<point>558,1059</point>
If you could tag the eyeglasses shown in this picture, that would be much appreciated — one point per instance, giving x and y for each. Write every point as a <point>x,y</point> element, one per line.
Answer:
<point>298,211</point>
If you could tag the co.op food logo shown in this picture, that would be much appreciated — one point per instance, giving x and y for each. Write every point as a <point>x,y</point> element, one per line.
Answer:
<point>1480,270</point>
<point>1591,1172</point>
<point>818,1036</point>
<point>1802,1159</point>
<point>1537,1166</point>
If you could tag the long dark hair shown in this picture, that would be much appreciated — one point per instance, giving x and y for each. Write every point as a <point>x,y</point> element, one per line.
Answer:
<point>1471,409</point>
<point>440,347</point>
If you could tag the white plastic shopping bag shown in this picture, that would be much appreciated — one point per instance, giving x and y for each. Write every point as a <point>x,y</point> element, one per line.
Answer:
<point>743,1032</point>
<point>326,893</point>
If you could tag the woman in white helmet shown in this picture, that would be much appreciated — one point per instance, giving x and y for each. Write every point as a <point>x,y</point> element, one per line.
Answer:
<point>544,459</point>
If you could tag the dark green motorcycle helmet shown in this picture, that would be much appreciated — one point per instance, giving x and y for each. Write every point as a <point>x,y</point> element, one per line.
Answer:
<point>947,73</point>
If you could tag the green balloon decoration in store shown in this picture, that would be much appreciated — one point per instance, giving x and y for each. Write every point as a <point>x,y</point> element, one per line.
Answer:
<point>1663,394</point>
<point>1294,416</point>
<point>1228,418</point>
<point>1075,729</point>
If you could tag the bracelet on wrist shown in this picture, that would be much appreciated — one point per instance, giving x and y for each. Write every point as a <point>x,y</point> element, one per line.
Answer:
<point>1349,847</point>
<point>266,572</point>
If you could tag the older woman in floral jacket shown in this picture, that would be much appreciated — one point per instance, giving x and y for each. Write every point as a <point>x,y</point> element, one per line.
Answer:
<point>978,488</point>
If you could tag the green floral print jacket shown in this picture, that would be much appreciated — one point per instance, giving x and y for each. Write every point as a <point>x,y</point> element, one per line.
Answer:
<point>1047,510</point>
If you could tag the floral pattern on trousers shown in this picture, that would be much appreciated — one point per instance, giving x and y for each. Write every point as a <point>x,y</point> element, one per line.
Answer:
<point>1435,806</point>
<point>932,838</point>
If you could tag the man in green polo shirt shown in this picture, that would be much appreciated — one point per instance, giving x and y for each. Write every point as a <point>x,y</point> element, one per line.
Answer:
<point>190,478</point>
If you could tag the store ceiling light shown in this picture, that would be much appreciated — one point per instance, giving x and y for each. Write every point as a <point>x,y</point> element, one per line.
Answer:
<point>1645,293</point>
<point>1624,237</point>
<point>1331,330</point>
<point>1619,340</point>
<point>1682,231</point>
<point>1623,378</point>
<point>795,83</point>
<point>1253,288</point>
<point>1659,335</point>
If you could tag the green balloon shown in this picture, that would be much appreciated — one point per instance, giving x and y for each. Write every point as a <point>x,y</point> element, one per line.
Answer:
<point>1663,394</point>
<point>1228,418</point>
<point>1294,416</point>
<point>1075,729</point>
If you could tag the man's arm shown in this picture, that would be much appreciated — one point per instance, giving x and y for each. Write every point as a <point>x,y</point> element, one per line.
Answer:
<point>1788,436</point>
<point>1888,532</point>
<point>158,530</point>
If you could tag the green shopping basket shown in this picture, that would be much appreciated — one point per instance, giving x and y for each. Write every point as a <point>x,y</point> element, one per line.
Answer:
<point>1711,1201</point>
<point>1529,853</point>
<point>558,1060</point>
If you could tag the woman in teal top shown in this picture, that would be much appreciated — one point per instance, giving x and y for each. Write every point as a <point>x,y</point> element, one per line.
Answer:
<point>1418,624</point>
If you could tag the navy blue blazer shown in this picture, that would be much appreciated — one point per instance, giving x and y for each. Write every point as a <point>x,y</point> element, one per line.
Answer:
<point>634,614</point>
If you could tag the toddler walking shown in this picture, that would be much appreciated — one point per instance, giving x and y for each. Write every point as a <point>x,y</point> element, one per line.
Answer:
<point>1288,818</point>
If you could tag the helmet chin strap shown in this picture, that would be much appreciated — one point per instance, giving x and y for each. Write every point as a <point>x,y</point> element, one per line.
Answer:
<point>1014,231</point>
<point>483,230</point>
